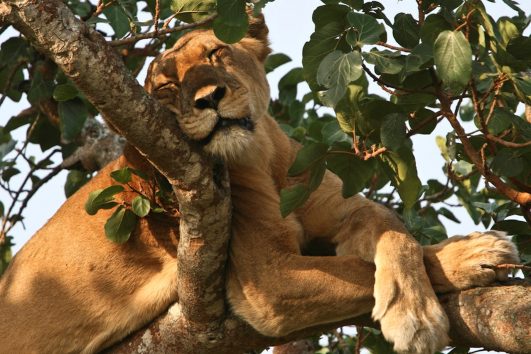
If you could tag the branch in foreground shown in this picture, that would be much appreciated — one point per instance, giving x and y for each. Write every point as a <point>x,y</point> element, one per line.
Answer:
<point>496,318</point>
<point>152,130</point>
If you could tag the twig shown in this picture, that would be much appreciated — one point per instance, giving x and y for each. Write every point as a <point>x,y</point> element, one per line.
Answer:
<point>522,198</point>
<point>34,189</point>
<point>360,339</point>
<point>101,6</point>
<point>381,82</point>
<point>421,13</point>
<point>156,19</point>
<point>168,20</point>
<point>161,32</point>
<point>402,49</point>
<point>505,143</point>
<point>466,21</point>
<point>8,216</point>
<point>506,266</point>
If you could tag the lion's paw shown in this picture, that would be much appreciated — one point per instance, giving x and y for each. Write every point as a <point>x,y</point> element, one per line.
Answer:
<point>463,262</point>
<point>410,316</point>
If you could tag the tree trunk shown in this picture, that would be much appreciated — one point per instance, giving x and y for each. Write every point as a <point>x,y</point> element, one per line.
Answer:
<point>495,318</point>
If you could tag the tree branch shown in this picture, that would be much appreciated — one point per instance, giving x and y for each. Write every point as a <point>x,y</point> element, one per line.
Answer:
<point>86,58</point>
<point>496,318</point>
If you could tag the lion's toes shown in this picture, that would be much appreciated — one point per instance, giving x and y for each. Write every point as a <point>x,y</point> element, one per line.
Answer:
<point>463,262</point>
<point>413,320</point>
<point>414,332</point>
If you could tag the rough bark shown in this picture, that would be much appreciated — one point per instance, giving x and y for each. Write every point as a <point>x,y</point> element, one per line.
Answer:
<point>199,323</point>
<point>496,318</point>
<point>204,201</point>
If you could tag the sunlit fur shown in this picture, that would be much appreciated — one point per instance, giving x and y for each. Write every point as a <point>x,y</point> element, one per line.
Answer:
<point>70,290</point>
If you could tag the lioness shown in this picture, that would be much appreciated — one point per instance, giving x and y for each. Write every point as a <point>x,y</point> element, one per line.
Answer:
<point>70,290</point>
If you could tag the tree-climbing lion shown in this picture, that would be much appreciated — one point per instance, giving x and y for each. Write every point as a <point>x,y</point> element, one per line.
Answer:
<point>70,290</point>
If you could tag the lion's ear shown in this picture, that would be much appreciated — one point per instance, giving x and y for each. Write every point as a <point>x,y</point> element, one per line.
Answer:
<point>258,31</point>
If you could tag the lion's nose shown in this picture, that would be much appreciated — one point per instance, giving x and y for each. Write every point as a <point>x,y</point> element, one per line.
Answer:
<point>209,97</point>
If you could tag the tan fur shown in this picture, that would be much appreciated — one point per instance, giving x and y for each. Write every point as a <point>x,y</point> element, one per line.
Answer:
<point>70,290</point>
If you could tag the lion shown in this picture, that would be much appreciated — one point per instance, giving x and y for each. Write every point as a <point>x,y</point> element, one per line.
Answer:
<point>71,290</point>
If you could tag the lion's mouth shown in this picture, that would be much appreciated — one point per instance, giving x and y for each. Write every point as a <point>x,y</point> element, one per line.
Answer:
<point>224,123</point>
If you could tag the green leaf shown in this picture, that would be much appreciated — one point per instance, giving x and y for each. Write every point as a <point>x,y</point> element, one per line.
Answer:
<point>393,130</point>
<point>507,30</point>
<point>118,20</point>
<point>423,121</point>
<point>385,61</point>
<point>141,206</point>
<point>317,173</point>
<point>7,147</point>
<point>72,117</point>
<point>332,133</point>
<point>330,22</point>
<point>406,30</point>
<point>139,173</point>
<point>102,199</point>
<point>41,88</point>
<point>513,227</point>
<point>508,163</point>
<point>287,86</point>
<point>433,25</point>
<point>403,174</point>
<point>310,154</point>
<point>520,48</point>
<point>64,92</point>
<point>448,214</point>
<point>75,180</point>
<point>193,10</point>
<point>14,50</point>
<point>292,198</point>
<point>232,22</point>
<point>120,225</point>
<point>366,30</point>
<point>354,172</point>
<point>413,101</point>
<point>8,173</point>
<point>463,168</point>
<point>501,120</point>
<point>273,61</point>
<point>122,175</point>
<point>348,109</point>
<point>453,59</point>
<point>335,72</point>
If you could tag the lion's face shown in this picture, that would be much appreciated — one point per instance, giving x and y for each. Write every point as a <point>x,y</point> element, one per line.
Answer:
<point>218,91</point>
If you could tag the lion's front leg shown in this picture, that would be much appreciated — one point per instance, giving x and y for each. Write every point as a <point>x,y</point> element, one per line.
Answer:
<point>463,262</point>
<point>405,303</point>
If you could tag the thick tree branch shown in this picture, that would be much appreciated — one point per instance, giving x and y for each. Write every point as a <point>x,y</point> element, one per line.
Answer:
<point>86,58</point>
<point>496,318</point>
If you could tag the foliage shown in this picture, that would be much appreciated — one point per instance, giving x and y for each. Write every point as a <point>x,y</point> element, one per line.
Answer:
<point>450,61</point>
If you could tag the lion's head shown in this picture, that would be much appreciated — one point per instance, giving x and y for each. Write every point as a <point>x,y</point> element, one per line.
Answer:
<point>218,91</point>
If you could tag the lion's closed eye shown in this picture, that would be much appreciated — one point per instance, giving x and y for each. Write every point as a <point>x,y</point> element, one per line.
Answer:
<point>216,54</point>
<point>167,86</point>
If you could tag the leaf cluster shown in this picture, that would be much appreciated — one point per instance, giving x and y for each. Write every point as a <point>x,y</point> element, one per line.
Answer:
<point>121,224</point>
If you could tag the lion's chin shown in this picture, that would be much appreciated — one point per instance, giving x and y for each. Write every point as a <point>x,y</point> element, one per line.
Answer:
<point>232,144</point>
